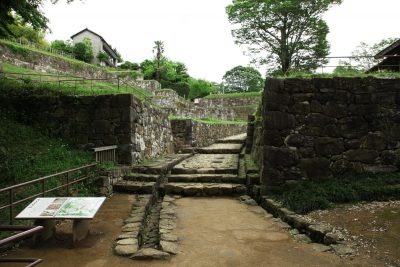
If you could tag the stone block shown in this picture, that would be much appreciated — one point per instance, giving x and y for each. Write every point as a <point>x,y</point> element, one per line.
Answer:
<point>375,141</point>
<point>315,168</point>
<point>362,155</point>
<point>279,120</point>
<point>326,146</point>
<point>280,157</point>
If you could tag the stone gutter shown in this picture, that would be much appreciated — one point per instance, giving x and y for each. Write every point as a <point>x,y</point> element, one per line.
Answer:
<point>318,232</point>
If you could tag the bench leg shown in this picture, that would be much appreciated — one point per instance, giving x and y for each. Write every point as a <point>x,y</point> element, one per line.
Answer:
<point>80,230</point>
<point>49,226</point>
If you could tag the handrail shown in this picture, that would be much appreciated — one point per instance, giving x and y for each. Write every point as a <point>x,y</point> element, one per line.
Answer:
<point>26,232</point>
<point>45,178</point>
<point>69,180</point>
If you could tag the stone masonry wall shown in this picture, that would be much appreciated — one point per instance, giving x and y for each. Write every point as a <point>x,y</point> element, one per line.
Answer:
<point>188,133</point>
<point>139,130</point>
<point>235,108</point>
<point>54,64</point>
<point>316,128</point>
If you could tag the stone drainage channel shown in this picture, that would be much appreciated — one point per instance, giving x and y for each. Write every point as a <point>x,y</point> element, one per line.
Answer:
<point>148,232</point>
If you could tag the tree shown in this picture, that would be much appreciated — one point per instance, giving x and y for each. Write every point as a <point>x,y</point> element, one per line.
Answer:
<point>158,49</point>
<point>364,55</point>
<point>242,79</point>
<point>127,65</point>
<point>28,33</point>
<point>27,10</point>
<point>200,88</point>
<point>119,57</point>
<point>284,34</point>
<point>84,51</point>
<point>63,46</point>
<point>103,57</point>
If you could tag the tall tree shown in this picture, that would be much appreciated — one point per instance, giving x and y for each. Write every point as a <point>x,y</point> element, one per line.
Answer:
<point>158,50</point>
<point>242,79</point>
<point>284,34</point>
<point>27,10</point>
<point>364,55</point>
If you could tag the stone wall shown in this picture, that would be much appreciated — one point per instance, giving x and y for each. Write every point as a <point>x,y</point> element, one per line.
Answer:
<point>317,128</point>
<point>228,101</point>
<point>235,108</point>
<point>55,64</point>
<point>139,130</point>
<point>189,133</point>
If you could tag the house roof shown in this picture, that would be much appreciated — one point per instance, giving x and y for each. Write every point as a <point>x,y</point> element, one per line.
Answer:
<point>393,49</point>
<point>108,47</point>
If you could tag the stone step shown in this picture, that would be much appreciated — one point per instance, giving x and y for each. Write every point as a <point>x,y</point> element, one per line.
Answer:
<point>204,189</point>
<point>141,177</point>
<point>224,170</point>
<point>220,149</point>
<point>161,165</point>
<point>134,187</point>
<point>206,178</point>
<point>236,139</point>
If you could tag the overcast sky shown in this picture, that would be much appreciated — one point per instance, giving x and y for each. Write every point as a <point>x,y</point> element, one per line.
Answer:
<point>198,33</point>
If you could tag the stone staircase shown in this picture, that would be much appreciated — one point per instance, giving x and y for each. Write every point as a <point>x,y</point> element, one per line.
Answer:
<point>145,178</point>
<point>212,171</point>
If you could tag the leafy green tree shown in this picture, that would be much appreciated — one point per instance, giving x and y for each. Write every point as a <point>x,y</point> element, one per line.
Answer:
<point>284,34</point>
<point>127,65</point>
<point>119,57</point>
<point>242,79</point>
<point>27,10</point>
<point>63,46</point>
<point>158,50</point>
<point>103,57</point>
<point>363,56</point>
<point>27,33</point>
<point>84,51</point>
<point>200,88</point>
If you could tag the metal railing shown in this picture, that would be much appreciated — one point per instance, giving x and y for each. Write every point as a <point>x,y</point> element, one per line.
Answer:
<point>48,49</point>
<point>68,180</point>
<point>27,231</point>
<point>104,154</point>
<point>71,81</point>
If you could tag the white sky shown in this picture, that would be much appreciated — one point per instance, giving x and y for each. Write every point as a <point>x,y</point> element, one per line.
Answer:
<point>198,33</point>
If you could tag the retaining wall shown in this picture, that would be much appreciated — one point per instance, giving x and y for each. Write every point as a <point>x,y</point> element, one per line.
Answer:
<point>139,130</point>
<point>318,128</point>
<point>188,133</point>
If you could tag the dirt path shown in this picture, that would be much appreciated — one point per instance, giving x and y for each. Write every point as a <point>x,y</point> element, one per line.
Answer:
<point>213,232</point>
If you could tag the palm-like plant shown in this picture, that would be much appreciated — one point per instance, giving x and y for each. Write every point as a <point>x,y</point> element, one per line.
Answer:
<point>158,49</point>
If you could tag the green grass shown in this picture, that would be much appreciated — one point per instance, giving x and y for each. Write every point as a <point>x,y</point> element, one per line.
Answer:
<point>233,95</point>
<point>30,51</point>
<point>311,195</point>
<point>209,120</point>
<point>48,85</point>
<point>27,154</point>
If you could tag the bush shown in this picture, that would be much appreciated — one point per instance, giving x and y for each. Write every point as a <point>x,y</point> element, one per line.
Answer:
<point>311,195</point>
<point>84,51</point>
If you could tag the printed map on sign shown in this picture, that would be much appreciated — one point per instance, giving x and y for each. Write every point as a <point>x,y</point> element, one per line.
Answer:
<point>62,208</point>
<point>79,207</point>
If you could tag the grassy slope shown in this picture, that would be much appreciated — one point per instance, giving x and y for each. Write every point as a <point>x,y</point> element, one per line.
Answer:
<point>51,86</point>
<point>25,50</point>
<point>26,154</point>
<point>311,195</point>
